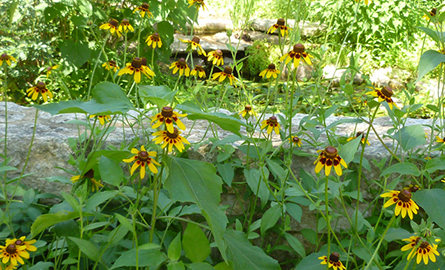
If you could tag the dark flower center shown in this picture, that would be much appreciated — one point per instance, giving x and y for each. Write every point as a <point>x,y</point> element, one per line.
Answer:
<point>299,48</point>
<point>334,257</point>
<point>273,120</point>
<point>413,188</point>
<point>144,61</point>
<point>218,52</point>
<point>404,195</point>
<point>182,62</point>
<point>199,67</point>
<point>196,39</point>
<point>156,35</point>
<point>48,68</point>
<point>271,66</point>
<point>296,139</point>
<point>125,22</point>
<point>143,155</point>
<point>281,22</point>
<point>11,249</point>
<point>173,135</point>
<point>167,112</point>
<point>112,63</point>
<point>424,245</point>
<point>331,152</point>
<point>145,6</point>
<point>433,12</point>
<point>137,62</point>
<point>89,174</point>
<point>359,134</point>
<point>387,91</point>
<point>113,22</point>
<point>248,108</point>
<point>41,85</point>
<point>4,56</point>
<point>228,70</point>
<point>19,242</point>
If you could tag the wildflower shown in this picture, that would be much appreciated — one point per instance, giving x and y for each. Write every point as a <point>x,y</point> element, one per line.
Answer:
<point>412,188</point>
<point>194,45</point>
<point>143,159</point>
<point>440,140</point>
<point>271,124</point>
<point>424,251</point>
<point>180,65</point>
<point>102,118</point>
<point>296,141</point>
<point>21,242</point>
<point>7,59</point>
<point>112,25</point>
<point>334,261</point>
<point>95,184</point>
<point>40,87</point>
<point>247,112</point>
<point>170,139</point>
<point>125,25</point>
<point>367,2</point>
<point>11,267</point>
<point>198,3</point>
<point>168,116</point>
<point>198,71</point>
<point>284,30</point>
<point>144,8</point>
<point>270,71</point>
<point>361,135</point>
<point>403,202</point>
<point>432,13</point>
<point>111,65</point>
<point>328,157</point>
<point>154,39</point>
<point>298,55</point>
<point>227,73</point>
<point>49,69</point>
<point>14,253</point>
<point>217,57</point>
<point>137,68</point>
<point>384,94</point>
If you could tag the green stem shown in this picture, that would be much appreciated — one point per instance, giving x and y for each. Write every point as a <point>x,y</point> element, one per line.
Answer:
<point>328,223</point>
<point>380,242</point>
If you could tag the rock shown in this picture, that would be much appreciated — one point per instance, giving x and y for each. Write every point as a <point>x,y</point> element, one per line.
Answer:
<point>210,26</point>
<point>330,72</point>
<point>307,28</point>
<point>381,77</point>
<point>214,42</point>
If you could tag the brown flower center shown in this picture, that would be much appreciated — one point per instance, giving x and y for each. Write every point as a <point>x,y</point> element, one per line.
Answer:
<point>173,135</point>
<point>387,91</point>
<point>359,134</point>
<point>296,139</point>
<point>4,56</point>
<point>424,245</point>
<point>112,63</point>
<point>167,111</point>
<point>143,155</point>
<point>144,61</point>
<point>413,188</point>
<point>404,195</point>
<point>199,67</point>
<point>181,62</point>
<point>89,174</point>
<point>299,48</point>
<point>334,257</point>
<point>48,68</point>
<point>273,120</point>
<point>228,70</point>
<point>145,6</point>
<point>125,22</point>
<point>218,52</point>
<point>113,22</point>
<point>248,108</point>
<point>11,249</point>
<point>196,39</point>
<point>271,66</point>
<point>281,22</point>
<point>41,85</point>
<point>331,152</point>
<point>433,12</point>
<point>19,242</point>
<point>156,35</point>
<point>137,62</point>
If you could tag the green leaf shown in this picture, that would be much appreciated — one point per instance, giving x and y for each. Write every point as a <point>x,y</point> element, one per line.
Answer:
<point>85,7</point>
<point>200,266</point>
<point>270,218</point>
<point>429,61</point>
<point>47,220</point>
<point>117,234</point>
<point>42,266</point>
<point>197,182</point>
<point>224,266</point>
<point>157,95</point>
<point>75,52</point>
<point>148,257</point>
<point>397,234</point>
<point>227,172</point>
<point>432,107</point>
<point>7,168</point>
<point>99,198</point>
<point>348,150</point>
<point>257,185</point>
<point>124,222</point>
<point>432,201</point>
<point>246,256</point>
<point>29,196</point>
<point>294,210</point>
<point>176,266</point>
<point>295,244</point>
<point>174,249</point>
<point>108,98</point>
<point>311,262</point>
<point>410,137</point>
<point>435,164</point>
<point>430,32</point>
<point>402,168</point>
<point>87,248</point>
<point>343,121</point>
<point>276,169</point>
<point>96,225</point>
<point>73,202</point>
<point>195,243</point>
<point>110,171</point>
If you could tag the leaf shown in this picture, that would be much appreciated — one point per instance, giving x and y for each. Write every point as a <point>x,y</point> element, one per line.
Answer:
<point>110,171</point>
<point>7,168</point>
<point>227,172</point>
<point>295,244</point>
<point>85,7</point>
<point>148,257</point>
<point>343,121</point>
<point>197,182</point>
<point>429,61</point>
<point>87,248</point>
<point>108,98</point>
<point>270,218</point>
<point>175,266</point>
<point>294,210</point>
<point>47,220</point>
<point>402,168</point>
<point>75,52</point>
<point>432,201</point>
<point>348,150</point>
<point>257,185</point>
<point>276,169</point>
<point>200,266</point>
<point>157,95</point>
<point>99,198</point>
<point>311,262</point>
<point>195,243</point>
<point>124,222</point>
<point>397,234</point>
<point>224,266</point>
<point>174,249</point>
<point>433,34</point>
<point>73,202</point>
<point>435,164</point>
<point>42,266</point>
<point>410,137</point>
<point>246,256</point>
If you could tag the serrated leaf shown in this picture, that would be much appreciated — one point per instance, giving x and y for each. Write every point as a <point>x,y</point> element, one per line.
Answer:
<point>270,218</point>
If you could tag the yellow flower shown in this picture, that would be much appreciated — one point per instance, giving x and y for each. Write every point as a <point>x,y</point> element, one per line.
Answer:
<point>144,8</point>
<point>111,65</point>
<point>227,73</point>
<point>327,158</point>
<point>367,2</point>
<point>143,159</point>
<point>112,25</point>
<point>198,3</point>
<point>403,202</point>
<point>7,59</point>
<point>168,116</point>
<point>271,124</point>
<point>296,141</point>
<point>180,65</point>
<point>154,39</point>
<point>359,134</point>
<point>170,139</point>
<point>125,25</point>
<point>21,242</point>
<point>194,45</point>
<point>270,71</point>
<point>284,30</point>
<point>298,55</point>
<point>49,69</point>
<point>13,253</point>
<point>40,87</point>
<point>247,112</point>
<point>102,118</point>
<point>334,261</point>
<point>95,184</point>
<point>11,267</point>
<point>384,94</point>
<point>430,14</point>
<point>198,71</point>
<point>424,251</point>
<point>217,57</point>
<point>136,66</point>
<point>440,140</point>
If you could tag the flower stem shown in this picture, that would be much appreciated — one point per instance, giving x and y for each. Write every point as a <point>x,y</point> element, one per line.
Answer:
<point>380,242</point>
<point>328,224</point>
